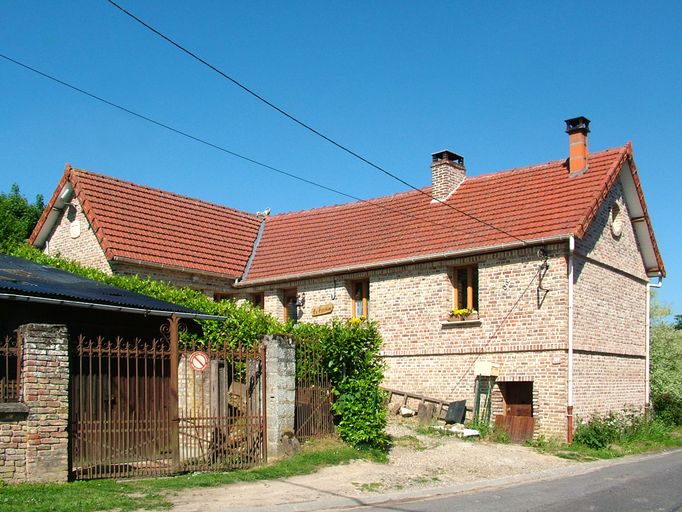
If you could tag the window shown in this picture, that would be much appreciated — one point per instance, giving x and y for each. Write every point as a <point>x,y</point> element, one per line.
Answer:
<point>360,295</point>
<point>218,296</point>
<point>291,305</point>
<point>10,369</point>
<point>258,299</point>
<point>465,280</point>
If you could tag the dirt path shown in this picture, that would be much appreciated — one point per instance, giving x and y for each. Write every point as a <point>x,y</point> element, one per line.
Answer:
<point>417,461</point>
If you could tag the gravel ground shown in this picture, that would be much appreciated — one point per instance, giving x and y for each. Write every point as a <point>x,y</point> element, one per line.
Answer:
<point>416,461</point>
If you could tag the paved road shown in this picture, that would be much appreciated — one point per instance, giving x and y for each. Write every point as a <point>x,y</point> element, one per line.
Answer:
<point>644,484</point>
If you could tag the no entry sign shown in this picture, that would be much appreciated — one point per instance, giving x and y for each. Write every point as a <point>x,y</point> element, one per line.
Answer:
<point>198,361</point>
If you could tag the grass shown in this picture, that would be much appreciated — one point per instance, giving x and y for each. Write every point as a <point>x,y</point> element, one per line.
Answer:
<point>152,494</point>
<point>410,442</point>
<point>627,446</point>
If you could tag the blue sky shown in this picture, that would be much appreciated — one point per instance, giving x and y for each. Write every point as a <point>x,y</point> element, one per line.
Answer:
<point>395,81</point>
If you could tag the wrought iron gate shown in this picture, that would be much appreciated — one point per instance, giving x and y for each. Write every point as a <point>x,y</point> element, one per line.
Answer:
<point>139,407</point>
<point>313,414</point>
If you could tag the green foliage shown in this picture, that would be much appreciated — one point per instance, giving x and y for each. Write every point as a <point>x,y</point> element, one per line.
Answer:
<point>666,366</point>
<point>348,353</point>
<point>619,428</point>
<point>361,407</point>
<point>17,217</point>
<point>668,408</point>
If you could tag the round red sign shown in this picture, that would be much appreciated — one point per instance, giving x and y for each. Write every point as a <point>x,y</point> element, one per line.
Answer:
<point>198,361</point>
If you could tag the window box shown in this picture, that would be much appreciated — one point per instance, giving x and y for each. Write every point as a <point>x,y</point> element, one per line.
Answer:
<point>460,323</point>
<point>463,318</point>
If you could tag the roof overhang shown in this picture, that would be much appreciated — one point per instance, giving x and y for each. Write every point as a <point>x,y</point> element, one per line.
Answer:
<point>62,196</point>
<point>165,266</point>
<point>107,307</point>
<point>641,223</point>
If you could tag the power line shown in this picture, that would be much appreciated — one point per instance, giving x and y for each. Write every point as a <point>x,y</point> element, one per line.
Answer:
<point>490,339</point>
<point>215,146</point>
<point>302,123</point>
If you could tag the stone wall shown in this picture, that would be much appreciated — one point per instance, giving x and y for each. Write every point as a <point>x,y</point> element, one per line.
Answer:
<point>34,440</point>
<point>280,389</point>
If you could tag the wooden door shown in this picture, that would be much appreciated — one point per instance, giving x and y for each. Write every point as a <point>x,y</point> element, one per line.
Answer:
<point>517,419</point>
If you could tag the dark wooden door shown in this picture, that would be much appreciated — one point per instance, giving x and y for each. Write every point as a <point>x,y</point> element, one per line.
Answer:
<point>517,419</point>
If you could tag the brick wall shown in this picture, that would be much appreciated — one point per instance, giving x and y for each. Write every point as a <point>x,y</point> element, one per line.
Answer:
<point>427,357</point>
<point>521,327</point>
<point>610,310</point>
<point>34,445</point>
<point>73,239</point>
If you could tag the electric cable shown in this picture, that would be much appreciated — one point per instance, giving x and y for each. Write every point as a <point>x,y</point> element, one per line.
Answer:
<point>216,146</point>
<point>304,124</point>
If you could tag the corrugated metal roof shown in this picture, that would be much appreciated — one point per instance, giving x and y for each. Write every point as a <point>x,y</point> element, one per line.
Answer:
<point>25,278</point>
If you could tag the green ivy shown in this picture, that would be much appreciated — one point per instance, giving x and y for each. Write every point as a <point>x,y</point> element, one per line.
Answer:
<point>346,351</point>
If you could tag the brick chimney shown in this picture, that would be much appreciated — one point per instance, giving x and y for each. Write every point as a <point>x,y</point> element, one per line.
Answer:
<point>577,129</point>
<point>447,172</point>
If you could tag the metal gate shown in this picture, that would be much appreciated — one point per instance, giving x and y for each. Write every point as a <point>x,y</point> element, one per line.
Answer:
<point>140,408</point>
<point>313,414</point>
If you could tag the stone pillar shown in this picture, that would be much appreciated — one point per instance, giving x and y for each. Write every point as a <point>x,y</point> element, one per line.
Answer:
<point>280,365</point>
<point>45,390</point>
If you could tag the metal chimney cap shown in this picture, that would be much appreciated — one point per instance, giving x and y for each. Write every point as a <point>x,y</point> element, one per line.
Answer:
<point>448,156</point>
<point>577,124</point>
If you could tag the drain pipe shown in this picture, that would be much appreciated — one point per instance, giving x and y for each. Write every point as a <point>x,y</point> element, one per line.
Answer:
<point>569,406</point>
<point>647,323</point>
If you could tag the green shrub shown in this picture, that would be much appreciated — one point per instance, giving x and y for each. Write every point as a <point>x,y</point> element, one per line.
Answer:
<point>599,432</point>
<point>668,408</point>
<point>619,428</point>
<point>348,354</point>
<point>346,351</point>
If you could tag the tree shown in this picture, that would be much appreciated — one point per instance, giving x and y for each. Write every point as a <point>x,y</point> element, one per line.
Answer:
<point>18,217</point>
<point>678,322</point>
<point>666,364</point>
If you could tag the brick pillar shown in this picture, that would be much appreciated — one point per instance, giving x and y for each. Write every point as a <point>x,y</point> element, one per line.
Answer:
<point>280,363</point>
<point>45,385</point>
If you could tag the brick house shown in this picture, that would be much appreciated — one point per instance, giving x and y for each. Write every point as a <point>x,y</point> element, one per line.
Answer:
<point>554,259</point>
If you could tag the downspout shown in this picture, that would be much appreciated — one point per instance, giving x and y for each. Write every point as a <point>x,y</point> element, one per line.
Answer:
<point>569,406</point>
<point>647,323</point>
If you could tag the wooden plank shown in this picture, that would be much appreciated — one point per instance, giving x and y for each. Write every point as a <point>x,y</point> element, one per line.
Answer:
<point>519,428</point>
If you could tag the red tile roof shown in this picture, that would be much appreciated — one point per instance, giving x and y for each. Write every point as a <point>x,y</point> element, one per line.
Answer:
<point>134,222</point>
<point>147,225</point>
<point>531,203</point>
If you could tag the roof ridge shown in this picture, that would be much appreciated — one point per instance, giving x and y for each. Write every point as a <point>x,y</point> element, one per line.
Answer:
<point>533,167</point>
<point>490,175</point>
<point>75,171</point>
<point>600,194</point>
<point>353,203</point>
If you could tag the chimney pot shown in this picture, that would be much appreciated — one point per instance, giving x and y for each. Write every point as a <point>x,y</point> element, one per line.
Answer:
<point>447,173</point>
<point>448,156</point>
<point>577,129</point>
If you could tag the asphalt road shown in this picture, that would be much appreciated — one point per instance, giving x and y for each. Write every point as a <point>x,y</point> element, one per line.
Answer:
<point>645,484</point>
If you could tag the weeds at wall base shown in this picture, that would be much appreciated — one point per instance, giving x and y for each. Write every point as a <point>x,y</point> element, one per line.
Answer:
<point>644,436</point>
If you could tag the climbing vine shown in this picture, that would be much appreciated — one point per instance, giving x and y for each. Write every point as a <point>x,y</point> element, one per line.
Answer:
<point>349,350</point>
